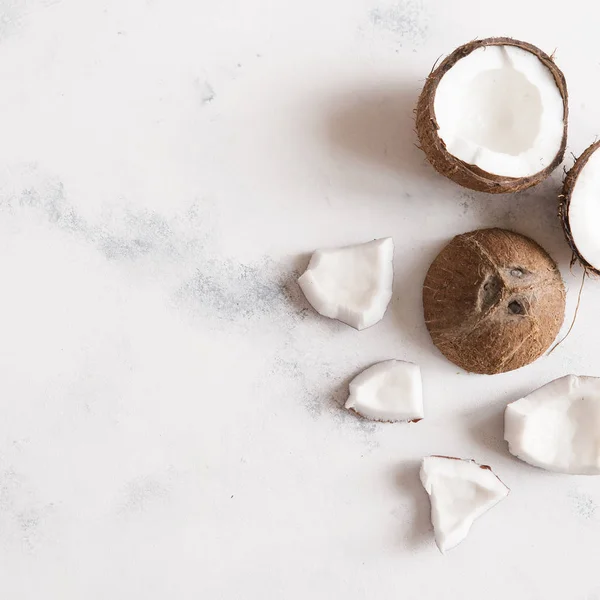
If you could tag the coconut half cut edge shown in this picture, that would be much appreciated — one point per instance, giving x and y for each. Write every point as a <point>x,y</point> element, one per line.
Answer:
<point>493,116</point>
<point>580,208</point>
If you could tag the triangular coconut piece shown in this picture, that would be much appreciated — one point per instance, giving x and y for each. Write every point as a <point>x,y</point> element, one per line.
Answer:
<point>352,284</point>
<point>460,492</point>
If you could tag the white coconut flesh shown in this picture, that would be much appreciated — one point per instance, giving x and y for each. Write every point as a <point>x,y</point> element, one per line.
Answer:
<point>499,108</point>
<point>388,391</point>
<point>584,211</point>
<point>461,491</point>
<point>352,284</point>
<point>557,427</point>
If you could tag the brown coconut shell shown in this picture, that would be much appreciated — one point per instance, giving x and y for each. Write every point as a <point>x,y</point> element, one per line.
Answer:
<point>565,202</point>
<point>494,301</point>
<point>460,172</point>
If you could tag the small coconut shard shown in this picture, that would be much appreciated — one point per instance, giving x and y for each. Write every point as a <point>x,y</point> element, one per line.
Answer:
<point>557,427</point>
<point>460,492</point>
<point>493,116</point>
<point>388,391</point>
<point>351,284</point>
<point>580,208</point>
<point>493,301</point>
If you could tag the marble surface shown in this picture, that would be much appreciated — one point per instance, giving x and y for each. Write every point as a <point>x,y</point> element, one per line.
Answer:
<point>171,421</point>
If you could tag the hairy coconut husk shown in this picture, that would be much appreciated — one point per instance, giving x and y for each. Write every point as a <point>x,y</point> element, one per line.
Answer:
<point>565,202</point>
<point>460,172</point>
<point>494,301</point>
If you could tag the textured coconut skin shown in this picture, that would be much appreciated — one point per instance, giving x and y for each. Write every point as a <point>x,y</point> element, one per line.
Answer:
<point>565,202</point>
<point>494,301</point>
<point>460,172</point>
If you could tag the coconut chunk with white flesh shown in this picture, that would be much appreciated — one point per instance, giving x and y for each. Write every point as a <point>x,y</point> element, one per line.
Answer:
<point>352,284</point>
<point>493,115</point>
<point>460,492</point>
<point>557,427</point>
<point>388,391</point>
<point>580,208</point>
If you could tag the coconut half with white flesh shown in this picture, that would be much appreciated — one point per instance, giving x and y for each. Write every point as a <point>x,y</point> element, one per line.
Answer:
<point>580,208</point>
<point>557,427</point>
<point>493,116</point>
<point>388,391</point>
<point>352,284</point>
<point>460,492</point>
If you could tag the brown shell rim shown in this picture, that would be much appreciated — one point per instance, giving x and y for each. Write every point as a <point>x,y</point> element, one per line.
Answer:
<point>565,203</point>
<point>426,117</point>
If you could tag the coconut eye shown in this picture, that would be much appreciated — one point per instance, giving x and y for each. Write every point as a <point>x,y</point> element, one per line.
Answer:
<point>491,292</point>
<point>517,272</point>
<point>516,308</point>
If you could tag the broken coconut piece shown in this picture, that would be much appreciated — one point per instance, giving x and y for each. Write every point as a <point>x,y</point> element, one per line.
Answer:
<point>351,284</point>
<point>460,492</point>
<point>493,116</point>
<point>493,300</point>
<point>388,391</point>
<point>580,208</point>
<point>557,427</point>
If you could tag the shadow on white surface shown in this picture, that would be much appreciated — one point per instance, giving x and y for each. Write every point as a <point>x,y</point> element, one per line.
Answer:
<point>487,429</point>
<point>406,307</point>
<point>339,394</point>
<point>377,126</point>
<point>291,289</point>
<point>418,528</point>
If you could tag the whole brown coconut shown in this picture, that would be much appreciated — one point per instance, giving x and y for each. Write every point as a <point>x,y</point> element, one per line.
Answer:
<point>565,202</point>
<point>494,301</point>
<point>467,175</point>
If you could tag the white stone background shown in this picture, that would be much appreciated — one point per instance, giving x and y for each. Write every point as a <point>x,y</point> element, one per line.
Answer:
<point>170,408</point>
